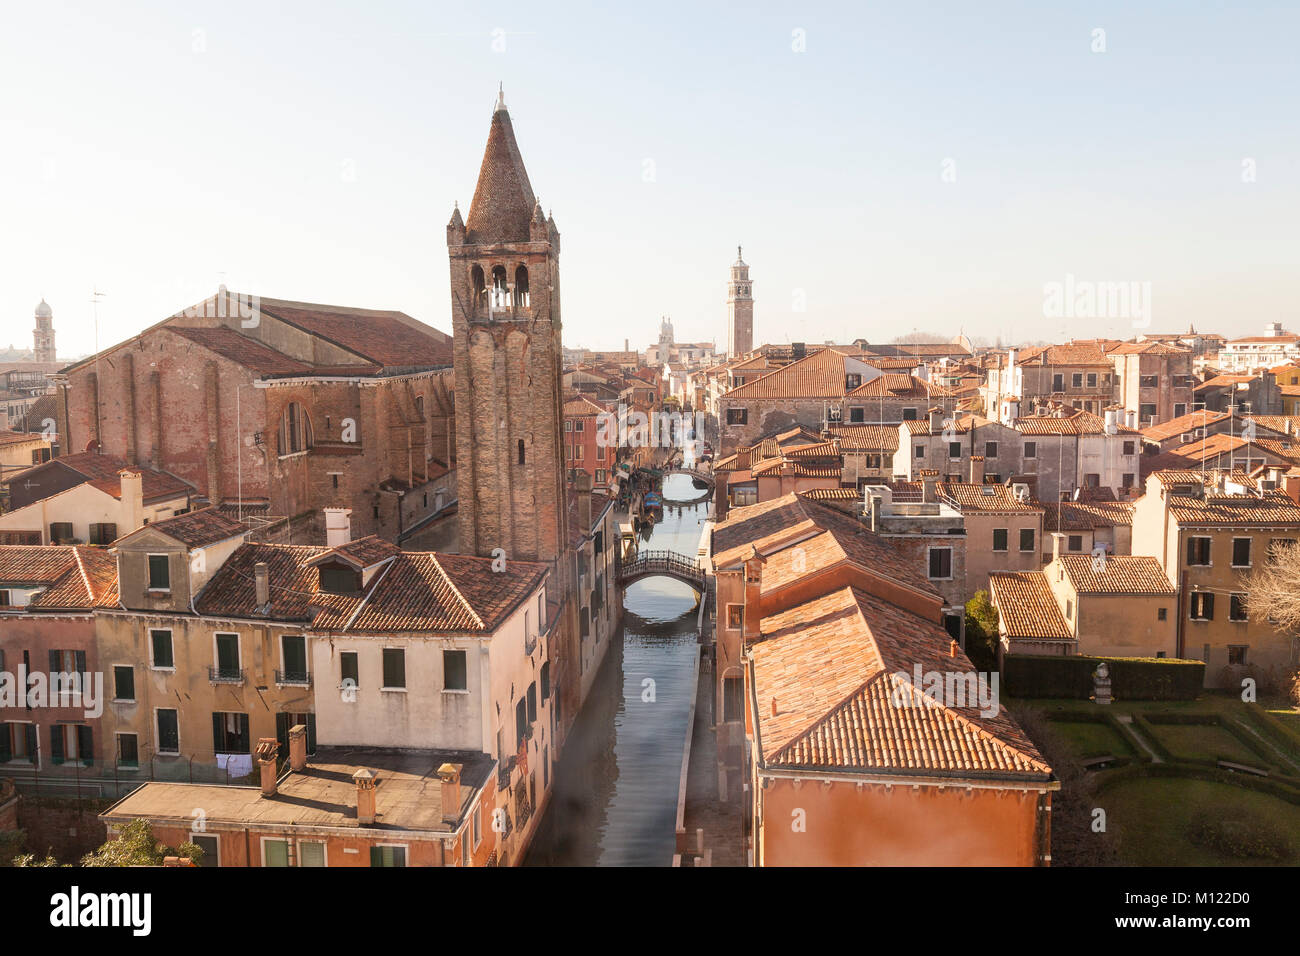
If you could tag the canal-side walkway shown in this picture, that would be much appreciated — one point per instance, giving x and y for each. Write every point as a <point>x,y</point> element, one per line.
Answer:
<point>721,821</point>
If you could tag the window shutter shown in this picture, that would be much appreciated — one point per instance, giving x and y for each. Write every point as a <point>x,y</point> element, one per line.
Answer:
<point>54,662</point>
<point>31,742</point>
<point>81,668</point>
<point>218,733</point>
<point>5,752</point>
<point>56,744</point>
<point>282,732</point>
<point>85,744</point>
<point>311,733</point>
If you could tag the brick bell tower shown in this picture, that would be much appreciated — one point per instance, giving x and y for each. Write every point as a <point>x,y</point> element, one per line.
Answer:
<point>505,303</point>
<point>740,309</point>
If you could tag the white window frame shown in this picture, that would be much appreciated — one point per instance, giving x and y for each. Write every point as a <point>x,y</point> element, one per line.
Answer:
<point>1232,556</point>
<point>951,562</point>
<point>149,588</point>
<point>275,839</point>
<point>389,690</point>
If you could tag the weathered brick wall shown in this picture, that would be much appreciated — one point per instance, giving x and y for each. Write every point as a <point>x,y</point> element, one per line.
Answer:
<point>68,828</point>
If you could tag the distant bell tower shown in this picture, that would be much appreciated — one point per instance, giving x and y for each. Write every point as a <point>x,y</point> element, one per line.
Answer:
<point>505,304</point>
<point>740,309</point>
<point>43,334</point>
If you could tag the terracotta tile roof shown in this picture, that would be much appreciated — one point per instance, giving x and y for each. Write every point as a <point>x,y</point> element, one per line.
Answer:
<point>1117,574</point>
<point>1026,607</point>
<point>503,202</point>
<point>386,338</point>
<point>1070,354</point>
<point>1085,515</point>
<point>1074,421</point>
<point>231,592</point>
<point>832,494</point>
<point>1222,380</point>
<point>833,535</point>
<point>102,472</point>
<point>16,438</point>
<point>444,592</point>
<point>75,578</point>
<point>836,669</point>
<point>197,529</point>
<point>1001,499</point>
<point>362,553</point>
<point>416,591</point>
<point>582,407</point>
<point>895,385</point>
<point>1144,348</point>
<point>961,424</point>
<point>243,350</point>
<point>1274,509</point>
<point>1182,425</point>
<point>883,438</point>
<point>819,375</point>
<point>1281,424</point>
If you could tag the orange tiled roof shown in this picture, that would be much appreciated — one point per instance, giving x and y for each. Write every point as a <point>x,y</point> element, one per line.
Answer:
<point>966,497</point>
<point>883,438</point>
<point>1074,421</point>
<point>829,676</point>
<point>1026,607</point>
<point>417,591</point>
<point>1116,574</point>
<point>1182,425</point>
<point>1085,515</point>
<point>102,472</point>
<point>197,529</point>
<point>75,577</point>
<point>774,524</point>
<point>1068,354</point>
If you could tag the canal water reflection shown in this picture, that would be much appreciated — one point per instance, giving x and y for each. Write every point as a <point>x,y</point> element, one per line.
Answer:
<point>615,796</point>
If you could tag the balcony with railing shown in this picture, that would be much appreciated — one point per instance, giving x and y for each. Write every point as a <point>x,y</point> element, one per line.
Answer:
<point>225,674</point>
<point>294,676</point>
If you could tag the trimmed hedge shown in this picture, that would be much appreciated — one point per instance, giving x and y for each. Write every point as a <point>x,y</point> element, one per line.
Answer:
<point>1132,678</point>
<point>1101,715</point>
<point>1108,778</point>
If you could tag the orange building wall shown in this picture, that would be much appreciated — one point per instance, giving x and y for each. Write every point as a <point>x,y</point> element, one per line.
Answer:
<point>872,826</point>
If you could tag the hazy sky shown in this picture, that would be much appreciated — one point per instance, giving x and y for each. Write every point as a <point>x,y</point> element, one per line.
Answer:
<point>313,151</point>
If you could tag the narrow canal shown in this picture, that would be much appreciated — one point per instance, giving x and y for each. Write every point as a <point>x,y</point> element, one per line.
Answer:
<point>615,798</point>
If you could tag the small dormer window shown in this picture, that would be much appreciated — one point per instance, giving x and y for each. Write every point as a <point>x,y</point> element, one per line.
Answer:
<point>159,573</point>
<point>339,579</point>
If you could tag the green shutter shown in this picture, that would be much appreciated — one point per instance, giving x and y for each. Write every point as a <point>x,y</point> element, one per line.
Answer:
<point>56,744</point>
<point>6,753</point>
<point>218,733</point>
<point>85,744</point>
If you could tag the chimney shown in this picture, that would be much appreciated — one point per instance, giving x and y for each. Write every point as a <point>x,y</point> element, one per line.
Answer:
<point>261,584</point>
<point>267,747</point>
<point>929,486</point>
<point>977,469</point>
<point>365,781</point>
<point>298,747</point>
<point>743,457</point>
<point>953,648</point>
<point>936,420</point>
<point>1058,539</point>
<point>753,593</point>
<point>1291,485</point>
<point>583,483</point>
<point>720,501</point>
<point>1131,418</point>
<point>338,526</point>
<point>876,502</point>
<point>449,774</point>
<point>132,492</point>
<point>774,710</point>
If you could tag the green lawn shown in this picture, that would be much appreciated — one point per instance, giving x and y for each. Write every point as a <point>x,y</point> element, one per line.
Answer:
<point>1205,742</point>
<point>1089,739</point>
<point>1151,816</point>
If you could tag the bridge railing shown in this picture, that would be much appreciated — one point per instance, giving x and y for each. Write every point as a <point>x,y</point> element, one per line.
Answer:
<point>671,562</point>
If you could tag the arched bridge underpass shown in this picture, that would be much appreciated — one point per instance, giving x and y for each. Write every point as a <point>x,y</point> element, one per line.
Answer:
<point>668,563</point>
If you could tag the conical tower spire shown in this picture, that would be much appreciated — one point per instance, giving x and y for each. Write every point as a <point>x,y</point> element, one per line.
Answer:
<point>503,201</point>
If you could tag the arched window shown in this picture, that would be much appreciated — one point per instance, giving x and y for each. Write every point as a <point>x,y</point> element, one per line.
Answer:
<point>521,286</point>
<point>499,292</point>
<point>295,430</point>
<point>478,285</point>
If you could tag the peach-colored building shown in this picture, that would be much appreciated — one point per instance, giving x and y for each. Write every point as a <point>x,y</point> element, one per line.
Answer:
<point>1081,604</point>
